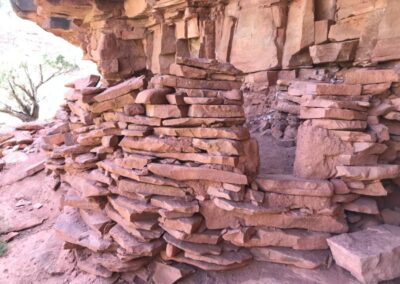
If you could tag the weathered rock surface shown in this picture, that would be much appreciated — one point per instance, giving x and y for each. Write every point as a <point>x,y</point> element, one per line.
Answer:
<point>370,255</point>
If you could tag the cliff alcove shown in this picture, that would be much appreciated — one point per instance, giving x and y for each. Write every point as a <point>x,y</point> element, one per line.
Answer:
<point>227,132</point>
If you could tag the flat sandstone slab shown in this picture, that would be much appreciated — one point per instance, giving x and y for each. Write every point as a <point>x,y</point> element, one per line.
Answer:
<point>372,255</point>
<point>368,172</point>
<point>235,133</point>
<point>287,184</point>
<point>371,76</point>
<point>301,259</point>
<point>196,173</point>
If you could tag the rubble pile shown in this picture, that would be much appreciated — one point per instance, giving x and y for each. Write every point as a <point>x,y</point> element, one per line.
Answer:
<point>25,138</point>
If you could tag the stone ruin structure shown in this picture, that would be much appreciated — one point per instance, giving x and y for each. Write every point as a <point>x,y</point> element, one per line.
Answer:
<point>161,168</point>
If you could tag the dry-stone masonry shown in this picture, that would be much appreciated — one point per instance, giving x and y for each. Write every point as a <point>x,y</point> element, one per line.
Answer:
<point>161,168</point>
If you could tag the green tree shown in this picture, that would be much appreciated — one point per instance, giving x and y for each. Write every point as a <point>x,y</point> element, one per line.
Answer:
<point>20,97</point>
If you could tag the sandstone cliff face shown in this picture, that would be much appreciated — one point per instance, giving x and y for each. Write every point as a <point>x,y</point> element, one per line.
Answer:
<point>125,37</point>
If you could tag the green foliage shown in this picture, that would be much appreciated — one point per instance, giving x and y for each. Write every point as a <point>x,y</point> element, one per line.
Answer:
<point>3,248</point>
<point>60,63</point>
<point>19,86</point>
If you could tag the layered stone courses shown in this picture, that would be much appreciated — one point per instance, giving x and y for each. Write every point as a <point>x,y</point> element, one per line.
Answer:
<point>153,165</point>
<point>165,189</point>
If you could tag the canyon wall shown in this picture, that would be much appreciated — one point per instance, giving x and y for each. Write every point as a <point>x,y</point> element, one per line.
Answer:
<point>124,37</point>
<point>159,159</point>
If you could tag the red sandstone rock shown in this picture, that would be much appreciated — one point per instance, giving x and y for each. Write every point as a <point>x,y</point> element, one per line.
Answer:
<point>150,189</point>
<point>175,204</point>
<point>370,76</point>
<point>166,111</point>
<point>391,217</point>
<point>301,14</point>
<point>296,201</point>
<point>309,113</point>
<point>153,96</point>
<point>199,158</point>
<point>334,52</point>
<point>286,184</point>
<point>71,198</point>
<point>112,104</point>
<point>132,245</point>
<point>226,258</point>
<point>169,274</point>
<point>134,109</point>
<point>322,162</point>
<point>218,111</point>
<point>293,238</point>
<point>112,263</point>
<point>178,82</point>
<point>193,248</point>
<point>87,264</point>
<point>134,210</point>
<point>139,120</point>
<point>363,205</point>
<point>218,146</point>
<point>159,145</point>
<point>298,220</point>
<point>70,228</point>
<point>188,225</point>
<point>96,220</point>
<point>301,259</point>
<point>120,89</point>
<point>372,189</point>
<point>133,228</point>
<point>86,187</point>
<point>369,255</point>
<point>235,133</point>
<point>193,122</point>
<point>135,161</point>
<point>368,172</point>
<point>203,101</point>
<point>333,124</point>
<point>196,173</point>
<point>187,71</point>
<point>89,81</point>
<point>206,265</point>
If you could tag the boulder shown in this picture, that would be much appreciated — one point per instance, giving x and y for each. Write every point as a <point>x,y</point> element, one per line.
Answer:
<point>371,255</point>
<point>316,160</point>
